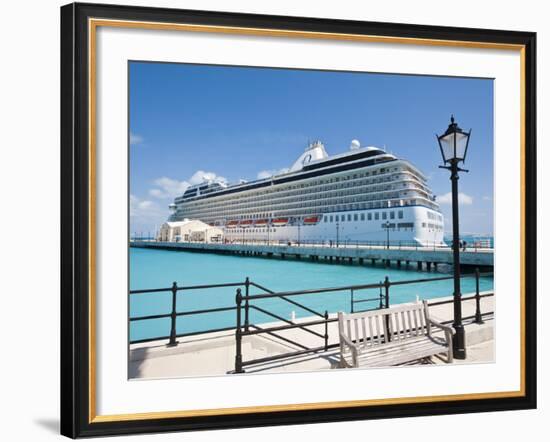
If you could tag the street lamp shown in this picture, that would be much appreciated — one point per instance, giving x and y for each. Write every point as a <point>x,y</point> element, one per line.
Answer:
<point>387,227</point>
<point>454,146</point>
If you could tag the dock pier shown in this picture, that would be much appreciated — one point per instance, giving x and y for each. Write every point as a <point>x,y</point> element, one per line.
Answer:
<point>425,257</point>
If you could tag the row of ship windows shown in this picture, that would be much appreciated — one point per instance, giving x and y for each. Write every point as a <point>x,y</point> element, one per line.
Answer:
<point>373,203</point>
<point>435,216</point>
<point>337,206</point>
<point>382,226</point>
<point>229,232</point>
<point>305,211</point>
<point>282,193</point>
<point>361,216</point>
<point>310,197</point>
<point>315,183</point>
<point>432,226</point>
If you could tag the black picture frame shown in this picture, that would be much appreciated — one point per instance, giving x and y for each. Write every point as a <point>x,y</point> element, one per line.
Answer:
<point>75,221</point>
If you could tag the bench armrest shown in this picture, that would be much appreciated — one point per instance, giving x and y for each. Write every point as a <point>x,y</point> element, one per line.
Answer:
<point>345,341</point>
<point>445,328</point>
<point>449,331</point>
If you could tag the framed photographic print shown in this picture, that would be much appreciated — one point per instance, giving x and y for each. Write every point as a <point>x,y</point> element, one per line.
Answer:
<point>274,220</point>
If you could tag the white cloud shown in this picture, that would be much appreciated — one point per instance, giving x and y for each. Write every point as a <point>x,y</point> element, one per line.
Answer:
<point>463,199</point>
<point>140,208</point>
<point>168,188</point>
<point>135,139</point>
<point>200,176</point>
<point>269,173</point>
<point>487,198</point>
<point>146,215</point>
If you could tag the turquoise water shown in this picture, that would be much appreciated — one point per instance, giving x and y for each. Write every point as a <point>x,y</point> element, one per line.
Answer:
<point>151,268</point>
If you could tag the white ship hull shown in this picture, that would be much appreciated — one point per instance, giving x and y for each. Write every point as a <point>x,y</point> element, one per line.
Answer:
<point>422,232</point>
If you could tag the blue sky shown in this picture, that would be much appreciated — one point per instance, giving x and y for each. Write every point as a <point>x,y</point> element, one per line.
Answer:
<point>191,121</point>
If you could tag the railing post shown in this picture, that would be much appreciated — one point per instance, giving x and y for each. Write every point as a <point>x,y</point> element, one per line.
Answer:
<point>173,316</point>
<point>387,291</point>
<point>326,330</point>
<point>387,305</point>
<point>351,301</point>
<point>246,306</point>
<point>238,336</point>
<point>381,296</point>
<point>479,319</point>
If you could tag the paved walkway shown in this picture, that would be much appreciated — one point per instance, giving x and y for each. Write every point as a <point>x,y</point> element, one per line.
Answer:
<point>213,354</point>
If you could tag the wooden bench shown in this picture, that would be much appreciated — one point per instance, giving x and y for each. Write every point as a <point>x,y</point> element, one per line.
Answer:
<point>391,336</point>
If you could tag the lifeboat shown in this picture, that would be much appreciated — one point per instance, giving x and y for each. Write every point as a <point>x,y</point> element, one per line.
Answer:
<point>309,220</point>
<point>261,222</point>
<point>280,222</point>
<point>232,224</point>
<point>246,223</point>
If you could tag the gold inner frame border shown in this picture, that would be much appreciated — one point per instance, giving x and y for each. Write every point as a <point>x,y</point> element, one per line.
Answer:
<point>93,24</point>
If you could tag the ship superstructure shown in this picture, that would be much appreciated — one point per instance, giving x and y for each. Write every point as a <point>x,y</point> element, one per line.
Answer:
<point>358,195</point>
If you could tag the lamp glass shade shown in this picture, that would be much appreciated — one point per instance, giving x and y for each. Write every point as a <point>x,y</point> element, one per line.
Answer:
<point>454,145</point>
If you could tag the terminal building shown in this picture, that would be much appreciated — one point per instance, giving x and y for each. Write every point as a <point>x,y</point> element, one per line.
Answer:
<point>189,230</point>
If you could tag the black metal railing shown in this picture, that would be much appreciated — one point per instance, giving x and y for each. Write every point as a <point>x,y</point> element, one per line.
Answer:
<point>174,314</point>
<point>246,302</point>
<point>473,246</point>
<point>383,300</point>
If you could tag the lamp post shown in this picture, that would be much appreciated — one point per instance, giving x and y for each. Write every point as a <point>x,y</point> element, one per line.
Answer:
<point>454,145</point>
<point>337,233</point>
<point>387,227</point>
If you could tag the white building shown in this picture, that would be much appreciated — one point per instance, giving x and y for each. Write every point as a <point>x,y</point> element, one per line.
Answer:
<point>189,231</point>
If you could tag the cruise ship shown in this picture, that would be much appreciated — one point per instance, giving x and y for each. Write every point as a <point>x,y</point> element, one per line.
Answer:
<point>365,194</point>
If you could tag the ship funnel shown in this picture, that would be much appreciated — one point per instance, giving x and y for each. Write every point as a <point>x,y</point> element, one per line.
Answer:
<point>314,152</point>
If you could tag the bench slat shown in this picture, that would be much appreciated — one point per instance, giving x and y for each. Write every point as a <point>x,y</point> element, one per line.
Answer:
<point>398,357</point>
<point>415,318</point>
<point>363,327</point>
<point>395,319</point>
<point>404,351</point>
<point>403,357</point>
<point>376,320</point>
<point>411,327</point>
<point>370,331</point>
<point>404,324</point>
